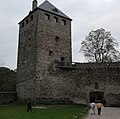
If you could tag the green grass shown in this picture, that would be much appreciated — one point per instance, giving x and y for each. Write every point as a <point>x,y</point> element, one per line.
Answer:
<point>51,112</point>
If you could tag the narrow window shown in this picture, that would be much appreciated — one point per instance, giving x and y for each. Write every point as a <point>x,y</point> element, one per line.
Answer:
<point>56,19</point>
<point>26,21</point>
<point>31,18</point>
<point>50,53</point>
<point>96,85</point>
<point>22,24</point>
<point>47,16</point>
<point>56,38</point>
<point>63,22</point>
<point>62,61</point>
<point>29,38</point>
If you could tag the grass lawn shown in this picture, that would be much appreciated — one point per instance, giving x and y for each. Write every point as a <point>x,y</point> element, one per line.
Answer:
<point>13,111</point>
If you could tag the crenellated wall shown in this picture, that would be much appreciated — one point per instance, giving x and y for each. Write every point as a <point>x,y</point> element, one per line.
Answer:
<point>75,83</point>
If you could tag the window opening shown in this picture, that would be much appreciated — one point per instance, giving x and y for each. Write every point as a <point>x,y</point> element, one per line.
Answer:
<point>22,24</point>
<point>56,19</point>
<point>57,38</point>
<point>29,38</point>
<point>47,16</point>
<point>31,18</point>
<point>62,61</point>
<point>63,22</point>
<point>27,21</point>
<point>55,10</point>
<point>50,53</point>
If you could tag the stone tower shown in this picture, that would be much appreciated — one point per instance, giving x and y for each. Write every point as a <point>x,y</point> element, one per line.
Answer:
<point>44,38</point>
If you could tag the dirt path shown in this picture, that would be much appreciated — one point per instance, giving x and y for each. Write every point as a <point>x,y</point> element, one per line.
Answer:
<point>107,113</point>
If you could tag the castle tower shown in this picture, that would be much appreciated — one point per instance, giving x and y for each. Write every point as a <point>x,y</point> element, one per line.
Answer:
<point>44,37</point>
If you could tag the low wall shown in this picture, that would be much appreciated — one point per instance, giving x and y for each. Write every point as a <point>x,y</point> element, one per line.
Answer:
<point>7,97</point>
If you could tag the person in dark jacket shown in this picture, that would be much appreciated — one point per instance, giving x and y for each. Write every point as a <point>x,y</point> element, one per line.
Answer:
<point>99,105</point>
<point>29,106</point>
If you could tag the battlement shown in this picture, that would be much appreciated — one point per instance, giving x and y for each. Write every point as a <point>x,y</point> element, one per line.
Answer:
<point>98,65</point>
<point>76,65</point>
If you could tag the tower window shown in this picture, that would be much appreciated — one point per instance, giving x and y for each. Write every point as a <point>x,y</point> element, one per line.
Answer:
<point>63,22</point>
<point>96,85</point>
<point>47,16</point>
<point>29,38</point>
<point>56,19</point>
<point>57,38</point>
<point>22,24</point>
<point>26,21</point>
<point>55,10</point>
<point>31,18</point>
<point>50,53</point>
<point>62,61</point>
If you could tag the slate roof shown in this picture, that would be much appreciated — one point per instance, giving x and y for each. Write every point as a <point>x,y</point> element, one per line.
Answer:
<point>47,6</point>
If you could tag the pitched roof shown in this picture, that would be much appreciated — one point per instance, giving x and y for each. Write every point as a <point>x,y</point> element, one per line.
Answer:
<point>47,6</point>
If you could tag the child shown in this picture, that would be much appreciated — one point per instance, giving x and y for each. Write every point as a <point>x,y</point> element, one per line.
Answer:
<point>92,105</point>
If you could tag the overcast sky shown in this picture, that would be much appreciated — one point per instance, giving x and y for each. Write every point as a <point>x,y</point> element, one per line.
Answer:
<point>87,15</point>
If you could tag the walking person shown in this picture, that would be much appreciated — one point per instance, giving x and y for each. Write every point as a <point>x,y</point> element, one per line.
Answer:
<point>92,106</point>
<point>29,106</point>
<point>99,105</point>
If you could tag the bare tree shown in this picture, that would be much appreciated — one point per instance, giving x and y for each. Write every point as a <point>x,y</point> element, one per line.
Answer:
<point>100,46</point>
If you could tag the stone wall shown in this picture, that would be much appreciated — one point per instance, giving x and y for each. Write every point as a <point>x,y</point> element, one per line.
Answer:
<point>83,79</point>
<point>26,64</point>
<point>48,30</point>
<point>7,97</point>
<point>41,41</point>
<point>76,84</point>
<point>53,40</point>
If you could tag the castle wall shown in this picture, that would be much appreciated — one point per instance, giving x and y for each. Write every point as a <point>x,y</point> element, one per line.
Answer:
<point>27,56</point>
<point>45,42</point>
<point>49,50</point>
<point>7,97</point>
<point>77,84</point>
<point>83,80</point>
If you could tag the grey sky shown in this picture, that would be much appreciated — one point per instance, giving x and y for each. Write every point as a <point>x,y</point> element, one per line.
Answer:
<point>87,15</point>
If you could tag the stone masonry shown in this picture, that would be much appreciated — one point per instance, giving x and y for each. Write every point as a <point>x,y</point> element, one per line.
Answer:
<point>45,70</point>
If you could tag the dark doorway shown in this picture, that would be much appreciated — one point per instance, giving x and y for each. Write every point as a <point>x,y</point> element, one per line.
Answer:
<point>96,96</point>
